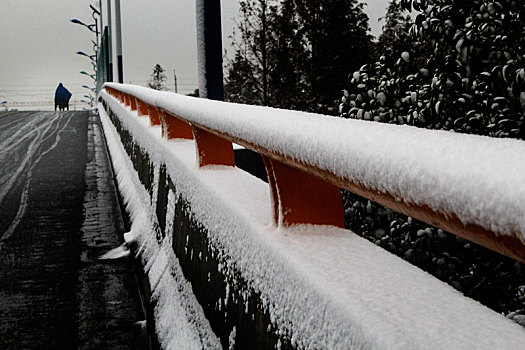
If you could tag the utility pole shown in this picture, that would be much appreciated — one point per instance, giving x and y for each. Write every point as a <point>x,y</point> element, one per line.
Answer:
<point>110,46</point>
<point>119,42</point>
<point>209,49</point>
<point>175,80</point>
<point>101,21</point>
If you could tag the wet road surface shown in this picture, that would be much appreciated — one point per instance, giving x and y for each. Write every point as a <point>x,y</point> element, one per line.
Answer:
<point>58,214</point>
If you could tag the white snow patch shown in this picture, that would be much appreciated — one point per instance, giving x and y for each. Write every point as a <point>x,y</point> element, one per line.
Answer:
<point>231,339</point>
<point>326,287</point>
<point>170,216</point>
<point>179,319</point>
<point>115,253</point>
<point>477,178</point>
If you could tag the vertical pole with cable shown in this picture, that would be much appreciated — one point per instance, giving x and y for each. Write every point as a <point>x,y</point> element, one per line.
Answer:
<point>175,80</point>
<point>101,20</point>
<point>209,49</point>
<point>118,31</point>
<point>110,46</point>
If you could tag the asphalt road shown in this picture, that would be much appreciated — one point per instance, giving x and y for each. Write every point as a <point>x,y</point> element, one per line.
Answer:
<point>58,214</point>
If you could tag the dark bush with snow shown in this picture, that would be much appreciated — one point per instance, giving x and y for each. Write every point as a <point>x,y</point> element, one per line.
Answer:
<point>459,66</point>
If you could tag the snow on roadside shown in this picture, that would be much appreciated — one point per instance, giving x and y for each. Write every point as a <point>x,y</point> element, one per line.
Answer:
<point>323,287</point>
<point>179,319</point>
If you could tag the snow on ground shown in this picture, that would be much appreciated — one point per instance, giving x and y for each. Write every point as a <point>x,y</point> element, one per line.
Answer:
<point>34,134</point>
<point>323,287</point>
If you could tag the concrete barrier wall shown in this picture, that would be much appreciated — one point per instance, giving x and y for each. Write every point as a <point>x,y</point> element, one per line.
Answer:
<point>260,286</point>
<point>253,329</point>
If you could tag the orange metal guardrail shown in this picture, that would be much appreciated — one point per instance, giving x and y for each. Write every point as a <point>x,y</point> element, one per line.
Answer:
<point>303,193</point>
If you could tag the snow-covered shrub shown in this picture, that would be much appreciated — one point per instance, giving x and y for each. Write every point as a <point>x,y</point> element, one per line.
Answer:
<point>465,71</point>
<point>459,65</point>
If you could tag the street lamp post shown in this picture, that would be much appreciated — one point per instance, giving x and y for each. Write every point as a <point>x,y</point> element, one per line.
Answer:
<point>88,26</point>
<point>118,33</point>
<point>95,12</point>
<point>110,39</point>
<point>91,57</point>
<point>94,58</point>
<point>90,103</point>
<point>93,76</point>
<point>91,98</point>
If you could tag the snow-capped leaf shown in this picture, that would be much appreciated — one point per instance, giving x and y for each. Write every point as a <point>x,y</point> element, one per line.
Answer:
<point>381,98</point>
<point>459,45</point>
<point>437,107</point>
<point>413,96</point>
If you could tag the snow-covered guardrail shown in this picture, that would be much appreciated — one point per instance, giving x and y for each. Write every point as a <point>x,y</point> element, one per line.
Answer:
<point>469,185</point>
<point>266,280</point>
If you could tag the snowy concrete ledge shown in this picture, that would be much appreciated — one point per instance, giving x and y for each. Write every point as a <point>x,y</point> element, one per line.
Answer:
<point>222,274</point>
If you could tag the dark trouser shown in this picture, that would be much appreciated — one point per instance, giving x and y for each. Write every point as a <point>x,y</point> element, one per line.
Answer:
<point>62,105</point>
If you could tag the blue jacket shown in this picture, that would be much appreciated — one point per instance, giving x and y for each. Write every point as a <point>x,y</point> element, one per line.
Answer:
<point>62,94</point>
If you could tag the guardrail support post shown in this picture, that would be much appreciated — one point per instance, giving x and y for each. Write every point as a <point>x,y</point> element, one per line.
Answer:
<point>133,102</point>
<point>301,198</point>
<point>173,127</point>
<point>213,150</point>
<point>142,108</point>
<point>154,117</point>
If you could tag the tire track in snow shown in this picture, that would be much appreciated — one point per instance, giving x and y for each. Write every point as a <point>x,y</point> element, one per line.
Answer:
<point>26,131</point>
<point>9,176</point>
<point>22,207</point>
<point>30,126</point>
<point>6,126</point>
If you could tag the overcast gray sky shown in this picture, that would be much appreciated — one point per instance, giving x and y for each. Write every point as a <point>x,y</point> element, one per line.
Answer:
<point>39,44</point>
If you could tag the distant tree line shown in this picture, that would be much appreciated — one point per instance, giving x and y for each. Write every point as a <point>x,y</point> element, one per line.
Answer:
<point>295,54</point>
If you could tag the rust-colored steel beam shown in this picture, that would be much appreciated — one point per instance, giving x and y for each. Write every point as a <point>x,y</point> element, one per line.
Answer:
<point>509,245</point>
<point>303,193</point>
<point>174,127</point>
<point>142,108</point>
<point>301,198</point>
<point>212,149</point>
<point>133,102</point>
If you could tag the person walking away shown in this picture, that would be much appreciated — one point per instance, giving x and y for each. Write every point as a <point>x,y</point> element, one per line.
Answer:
<point>62,96</point>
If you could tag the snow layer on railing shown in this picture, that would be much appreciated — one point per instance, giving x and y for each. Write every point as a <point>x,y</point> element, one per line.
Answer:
<point>480,179</point>
<point>323,287</point>
<point>179,319</point>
